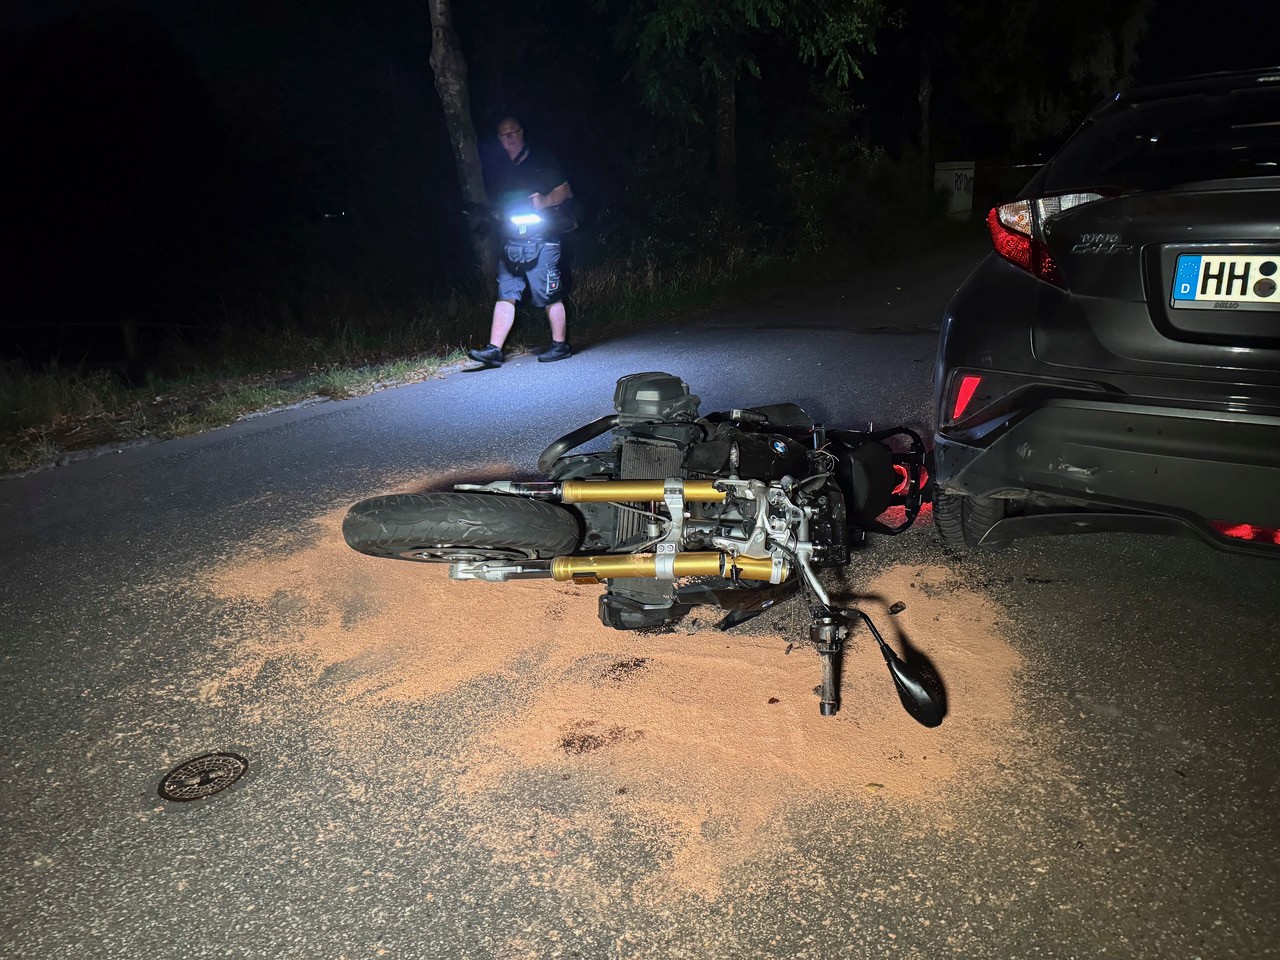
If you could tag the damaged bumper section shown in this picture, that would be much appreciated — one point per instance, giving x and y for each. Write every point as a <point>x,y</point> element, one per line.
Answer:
<point>1084,466</point>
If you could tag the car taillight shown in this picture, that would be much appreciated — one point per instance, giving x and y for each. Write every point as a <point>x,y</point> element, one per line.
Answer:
<point>1246,531</point>
<point>982,397</point>
<point>964,393</point>
<point>1017,232</point>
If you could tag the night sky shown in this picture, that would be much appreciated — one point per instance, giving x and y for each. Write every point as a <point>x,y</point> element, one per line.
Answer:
<point>184,163</point>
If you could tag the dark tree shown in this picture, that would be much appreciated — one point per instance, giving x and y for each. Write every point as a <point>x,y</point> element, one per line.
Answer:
<point>450,69</point>
<point>685,50</point>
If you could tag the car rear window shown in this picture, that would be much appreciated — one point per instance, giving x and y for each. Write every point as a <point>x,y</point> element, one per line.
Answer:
<point>1144,146</point>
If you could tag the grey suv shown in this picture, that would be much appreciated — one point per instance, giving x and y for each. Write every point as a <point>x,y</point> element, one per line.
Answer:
<point>1114,364</point>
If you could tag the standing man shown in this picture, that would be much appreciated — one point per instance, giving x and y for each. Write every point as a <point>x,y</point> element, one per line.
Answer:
<point>530,187</point>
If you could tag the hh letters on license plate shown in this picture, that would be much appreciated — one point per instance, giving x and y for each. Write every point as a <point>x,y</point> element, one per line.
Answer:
<point>1227,282</point>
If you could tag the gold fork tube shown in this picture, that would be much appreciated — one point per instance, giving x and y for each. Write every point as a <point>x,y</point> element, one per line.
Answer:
<point>628,491</point>
<point>645,565</point>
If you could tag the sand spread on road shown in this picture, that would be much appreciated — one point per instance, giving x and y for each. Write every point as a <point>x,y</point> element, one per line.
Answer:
<point>703,738</point>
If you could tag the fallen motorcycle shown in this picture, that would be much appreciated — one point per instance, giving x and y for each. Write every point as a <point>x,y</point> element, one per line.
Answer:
<point>737,509</point>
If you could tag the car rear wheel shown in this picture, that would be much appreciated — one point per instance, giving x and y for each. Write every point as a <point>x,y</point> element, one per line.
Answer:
<point>964,521</point>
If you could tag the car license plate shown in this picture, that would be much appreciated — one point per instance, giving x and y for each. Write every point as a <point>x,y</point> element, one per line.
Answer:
<point>1227,282</point>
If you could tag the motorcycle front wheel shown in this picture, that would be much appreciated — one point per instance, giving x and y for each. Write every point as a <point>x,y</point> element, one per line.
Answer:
<point>453,527</point>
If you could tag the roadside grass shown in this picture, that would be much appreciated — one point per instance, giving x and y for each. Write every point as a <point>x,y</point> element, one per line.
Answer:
<point>347,349</point>
<point>52,414</point>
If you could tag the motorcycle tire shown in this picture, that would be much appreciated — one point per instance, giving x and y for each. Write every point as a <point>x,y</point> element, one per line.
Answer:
<point>964,521</point>
<point>453,527</point>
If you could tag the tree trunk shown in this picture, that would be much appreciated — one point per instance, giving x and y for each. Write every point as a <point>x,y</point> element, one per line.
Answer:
<point>925,96</point>
<point>726,178</point>
<point>450,69</point>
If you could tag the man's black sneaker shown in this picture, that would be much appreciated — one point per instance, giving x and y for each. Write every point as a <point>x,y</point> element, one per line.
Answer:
<point>558,350</point>
<point>490,356</point>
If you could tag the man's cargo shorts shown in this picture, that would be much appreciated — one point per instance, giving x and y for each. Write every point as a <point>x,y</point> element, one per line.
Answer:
<point>535,262</point>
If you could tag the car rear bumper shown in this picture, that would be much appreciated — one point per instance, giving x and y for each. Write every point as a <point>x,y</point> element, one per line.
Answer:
<point>1186,466</point>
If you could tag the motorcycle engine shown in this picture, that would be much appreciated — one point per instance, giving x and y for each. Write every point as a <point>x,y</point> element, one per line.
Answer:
<point>656,423</point>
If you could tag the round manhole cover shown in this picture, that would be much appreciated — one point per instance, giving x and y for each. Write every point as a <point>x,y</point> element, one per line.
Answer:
<point>202,777</point>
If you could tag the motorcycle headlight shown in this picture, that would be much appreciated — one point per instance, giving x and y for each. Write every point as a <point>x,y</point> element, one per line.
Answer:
<point>526,219</point>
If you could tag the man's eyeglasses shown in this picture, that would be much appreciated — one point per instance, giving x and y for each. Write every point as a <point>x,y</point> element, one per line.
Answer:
<point>508,134</point>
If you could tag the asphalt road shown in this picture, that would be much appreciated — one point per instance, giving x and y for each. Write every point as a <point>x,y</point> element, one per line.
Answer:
<point>1124,808</point>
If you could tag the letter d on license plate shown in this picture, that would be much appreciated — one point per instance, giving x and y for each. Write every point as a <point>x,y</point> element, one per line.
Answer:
<point>1207,281</point>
